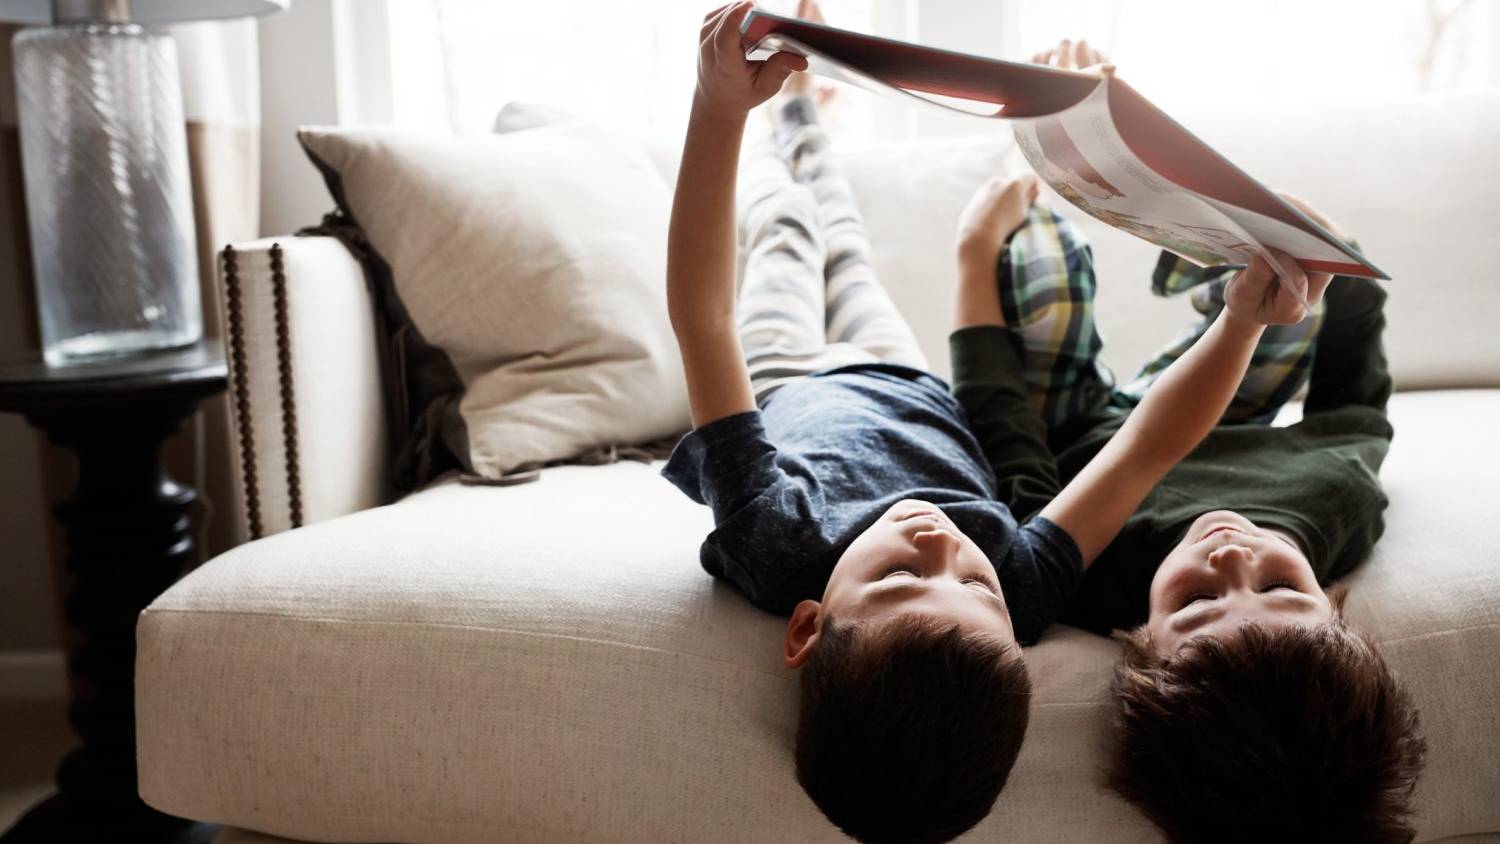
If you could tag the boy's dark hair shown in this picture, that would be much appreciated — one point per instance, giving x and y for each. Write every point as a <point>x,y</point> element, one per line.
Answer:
<point>1287,733</point>
<point>908,731</point>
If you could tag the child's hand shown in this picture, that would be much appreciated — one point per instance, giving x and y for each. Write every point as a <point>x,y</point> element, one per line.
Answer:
<point>802,82</point>
<point>996,210</point>
<point>1070,55</point>
<point>729,85</point>
<point>1258,294</point>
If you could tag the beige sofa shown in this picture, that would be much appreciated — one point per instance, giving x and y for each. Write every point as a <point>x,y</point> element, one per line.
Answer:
<point>547,662</point>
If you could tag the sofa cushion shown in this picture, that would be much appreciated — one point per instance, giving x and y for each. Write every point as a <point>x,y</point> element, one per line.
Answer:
<point>549,662</point>
<point>534,264</point>
<point>1434,241</point>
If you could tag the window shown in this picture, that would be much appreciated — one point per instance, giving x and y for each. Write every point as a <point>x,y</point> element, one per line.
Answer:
<point>1180,51</point>
<point>456,62</point>
<point>631,64</point>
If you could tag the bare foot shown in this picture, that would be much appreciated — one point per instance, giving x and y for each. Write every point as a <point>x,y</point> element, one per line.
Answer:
<point>1070,55</point>
<point>996,210</point>
<point>804,84</point>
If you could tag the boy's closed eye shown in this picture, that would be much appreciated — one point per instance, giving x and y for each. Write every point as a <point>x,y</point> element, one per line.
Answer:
<point>989,583</point>
<point>1196,598</point>
<point>1228,571</point>
<point>1210,596</point>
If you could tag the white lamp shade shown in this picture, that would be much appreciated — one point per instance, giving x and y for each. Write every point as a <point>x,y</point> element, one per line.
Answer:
<point>152,11</point>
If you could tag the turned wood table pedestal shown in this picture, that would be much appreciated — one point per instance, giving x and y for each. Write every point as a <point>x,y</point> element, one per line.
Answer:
<point>128,539</point>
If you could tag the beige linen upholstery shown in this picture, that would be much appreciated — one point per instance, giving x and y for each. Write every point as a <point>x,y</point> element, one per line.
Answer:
<point>234,835</point>
<point>1406,187</point>
<point>306,420</point>
<point>536,261</point>
<point>1412,180</point>
<point>549,663</point>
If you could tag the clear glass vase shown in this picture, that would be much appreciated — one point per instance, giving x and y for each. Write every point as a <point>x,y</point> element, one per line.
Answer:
<point>104,152</point>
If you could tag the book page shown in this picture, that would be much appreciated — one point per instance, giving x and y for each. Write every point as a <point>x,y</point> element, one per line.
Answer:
<point>1078,154</point>
<point>1173,153</point>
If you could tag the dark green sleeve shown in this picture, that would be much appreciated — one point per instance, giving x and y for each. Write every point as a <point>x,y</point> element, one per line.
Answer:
<point>989,384</point>
<point>1349,366</point>
<point>1350,544</point>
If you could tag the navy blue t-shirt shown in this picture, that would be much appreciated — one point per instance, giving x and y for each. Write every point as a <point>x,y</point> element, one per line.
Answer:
<point>791,485</point>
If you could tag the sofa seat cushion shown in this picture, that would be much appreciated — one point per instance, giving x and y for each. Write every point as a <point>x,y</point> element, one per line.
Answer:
<point>548,662</point>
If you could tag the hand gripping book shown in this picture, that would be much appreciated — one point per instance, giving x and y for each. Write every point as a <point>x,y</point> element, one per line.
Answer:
<point>1090,136</point>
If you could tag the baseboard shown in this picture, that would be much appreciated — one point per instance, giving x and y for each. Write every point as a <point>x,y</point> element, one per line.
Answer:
<point>33,675</point>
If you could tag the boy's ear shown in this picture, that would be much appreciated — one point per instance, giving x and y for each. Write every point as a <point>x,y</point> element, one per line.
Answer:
<point>802,633</point>
<point>1337,594</point>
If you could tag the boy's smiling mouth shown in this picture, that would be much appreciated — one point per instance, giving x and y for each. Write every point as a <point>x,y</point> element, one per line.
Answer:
<point>1222,528</point>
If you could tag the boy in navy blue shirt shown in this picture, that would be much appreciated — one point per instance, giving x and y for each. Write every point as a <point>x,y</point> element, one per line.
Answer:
<point>853,491</point>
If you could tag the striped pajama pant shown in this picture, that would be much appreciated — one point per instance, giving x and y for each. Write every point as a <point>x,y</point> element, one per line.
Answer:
<point>809,299</point>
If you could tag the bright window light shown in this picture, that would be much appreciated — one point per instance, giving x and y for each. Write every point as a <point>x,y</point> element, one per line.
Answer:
<point>457,62</point>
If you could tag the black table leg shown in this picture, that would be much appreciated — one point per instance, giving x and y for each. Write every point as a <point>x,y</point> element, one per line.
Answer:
<point>128,539</point>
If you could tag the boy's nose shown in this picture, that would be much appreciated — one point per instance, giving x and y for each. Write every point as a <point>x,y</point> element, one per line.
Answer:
<point>1229,556</point>
<point>939,547</point>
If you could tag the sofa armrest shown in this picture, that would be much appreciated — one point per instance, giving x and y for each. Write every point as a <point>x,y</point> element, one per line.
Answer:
<point>307,422</point>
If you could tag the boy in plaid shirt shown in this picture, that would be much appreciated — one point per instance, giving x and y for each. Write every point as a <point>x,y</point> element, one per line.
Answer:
<point>1245,708</point>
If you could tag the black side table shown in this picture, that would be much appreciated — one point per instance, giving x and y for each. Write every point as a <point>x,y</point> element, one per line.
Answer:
<point>128,539</point>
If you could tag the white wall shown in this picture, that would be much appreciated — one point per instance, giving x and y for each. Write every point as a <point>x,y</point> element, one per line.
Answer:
<point>28,619</point>
<point>327,63</point>
<point>297,87</point>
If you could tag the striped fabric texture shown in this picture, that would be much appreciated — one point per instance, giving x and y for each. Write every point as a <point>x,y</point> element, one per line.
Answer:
<point>809,299</point>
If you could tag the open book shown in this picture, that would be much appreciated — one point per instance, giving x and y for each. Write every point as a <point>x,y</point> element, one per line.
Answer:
<point>1091,137</point>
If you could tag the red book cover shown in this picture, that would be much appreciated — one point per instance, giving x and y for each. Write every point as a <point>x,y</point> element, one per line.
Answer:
<point>1094,139</point>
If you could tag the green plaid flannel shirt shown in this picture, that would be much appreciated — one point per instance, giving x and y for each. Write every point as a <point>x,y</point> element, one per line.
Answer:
<point>1050,300</point>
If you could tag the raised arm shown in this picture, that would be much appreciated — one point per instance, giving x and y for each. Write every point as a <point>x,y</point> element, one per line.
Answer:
<point>1349,366</point>
<point>1179,410</point>
<point>989,377</point>
<point>700,242</point>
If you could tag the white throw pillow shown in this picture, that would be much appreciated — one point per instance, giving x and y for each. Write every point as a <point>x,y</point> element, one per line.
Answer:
<point>535,262</point>
<point>910,193</point>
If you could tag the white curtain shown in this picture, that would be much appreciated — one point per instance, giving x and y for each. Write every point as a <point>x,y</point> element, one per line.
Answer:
<point>220,67</point>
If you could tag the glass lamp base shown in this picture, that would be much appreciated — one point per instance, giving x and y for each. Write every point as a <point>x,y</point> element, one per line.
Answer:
<point>104,152</point>
<point>102,345</point>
